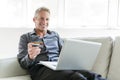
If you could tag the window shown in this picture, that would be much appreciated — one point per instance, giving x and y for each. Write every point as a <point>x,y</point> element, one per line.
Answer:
<point>118,17</point>
<point>19,13</point>
<point>86,12</point>
<point>12,13</point>
<point>64,13</point>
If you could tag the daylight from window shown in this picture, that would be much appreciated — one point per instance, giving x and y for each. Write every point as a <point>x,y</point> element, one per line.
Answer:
<point>64,13</point>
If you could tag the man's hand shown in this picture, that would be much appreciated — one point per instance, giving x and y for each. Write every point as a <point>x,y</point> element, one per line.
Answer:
<point>33,51</point>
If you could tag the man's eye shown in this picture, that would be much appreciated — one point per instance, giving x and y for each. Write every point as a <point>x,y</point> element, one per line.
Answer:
<point>47,19</point>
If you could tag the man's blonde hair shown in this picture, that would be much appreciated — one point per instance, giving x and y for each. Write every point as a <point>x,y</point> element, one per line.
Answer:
<point>41,9</point>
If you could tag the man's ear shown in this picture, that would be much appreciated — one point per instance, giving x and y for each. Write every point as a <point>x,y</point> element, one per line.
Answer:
<point>33,19</point>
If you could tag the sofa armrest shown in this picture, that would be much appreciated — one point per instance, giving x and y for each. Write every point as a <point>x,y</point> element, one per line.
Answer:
<point>10,67</point>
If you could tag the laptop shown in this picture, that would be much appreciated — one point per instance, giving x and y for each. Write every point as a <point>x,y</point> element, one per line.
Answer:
<point>75,55</point>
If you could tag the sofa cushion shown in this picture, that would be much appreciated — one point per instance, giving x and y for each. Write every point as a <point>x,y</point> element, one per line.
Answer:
<point>26,77</point>
<point>10,67</point>
<point>102,62</point>
<point>114,71</point>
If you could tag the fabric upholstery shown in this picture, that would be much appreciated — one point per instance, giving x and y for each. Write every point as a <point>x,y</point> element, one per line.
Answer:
<point>114,71</point>
<point>10,67</point>
<point>11,70</point>
<point>24,77</point>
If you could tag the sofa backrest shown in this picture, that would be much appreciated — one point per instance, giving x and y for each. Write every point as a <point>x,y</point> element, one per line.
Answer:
<point>10,67</point>
<point>114,70</point>
<point>102,63</point>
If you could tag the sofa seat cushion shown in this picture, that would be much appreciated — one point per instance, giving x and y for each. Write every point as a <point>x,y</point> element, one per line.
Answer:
<point>26,77</point>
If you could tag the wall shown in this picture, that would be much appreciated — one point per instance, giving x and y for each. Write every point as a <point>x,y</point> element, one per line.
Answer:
<point>9,37</point>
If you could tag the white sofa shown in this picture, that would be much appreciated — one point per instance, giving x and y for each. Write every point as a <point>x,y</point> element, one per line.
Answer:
<point>107,63</point>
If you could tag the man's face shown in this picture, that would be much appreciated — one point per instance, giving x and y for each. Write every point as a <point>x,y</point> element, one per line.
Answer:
<point>42,20</point>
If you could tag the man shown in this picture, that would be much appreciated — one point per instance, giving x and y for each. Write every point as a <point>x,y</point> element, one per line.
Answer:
<point>49,48</point>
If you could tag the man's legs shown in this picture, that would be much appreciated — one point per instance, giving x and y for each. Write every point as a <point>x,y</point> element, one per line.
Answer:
<point>47,74</point>
<point>90,75</point>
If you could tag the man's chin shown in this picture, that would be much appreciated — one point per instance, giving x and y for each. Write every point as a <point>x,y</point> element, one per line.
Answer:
<point>42,29</point>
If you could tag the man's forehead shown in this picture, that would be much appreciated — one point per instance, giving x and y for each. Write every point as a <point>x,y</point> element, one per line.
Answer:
<point>43,14</point>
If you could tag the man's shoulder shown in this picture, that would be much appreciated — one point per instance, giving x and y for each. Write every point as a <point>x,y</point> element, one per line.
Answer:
<point>54,32</point>
<point>29,33</point>
<point>26,34</point>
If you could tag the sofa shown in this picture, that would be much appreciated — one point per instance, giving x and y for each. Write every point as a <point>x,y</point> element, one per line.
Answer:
<point>107,63</point>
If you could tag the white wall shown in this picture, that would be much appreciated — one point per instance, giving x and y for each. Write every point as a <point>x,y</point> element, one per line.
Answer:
<point>9,37</point>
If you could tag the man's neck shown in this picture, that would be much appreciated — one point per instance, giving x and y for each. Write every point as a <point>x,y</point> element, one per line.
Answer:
<point>41,33</point>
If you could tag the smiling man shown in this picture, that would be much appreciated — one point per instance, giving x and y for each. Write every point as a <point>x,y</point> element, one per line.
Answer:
<point>43,44</point>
